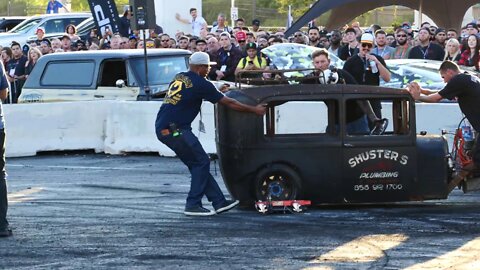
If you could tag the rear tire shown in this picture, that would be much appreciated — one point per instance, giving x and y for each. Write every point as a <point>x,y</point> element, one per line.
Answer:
<point>278,182</point>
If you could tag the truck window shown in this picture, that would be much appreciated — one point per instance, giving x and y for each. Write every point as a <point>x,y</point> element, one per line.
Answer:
<point>287,118</point>
<point>111,71</point>
<point>54,26</point>
<point>69,74</point>
<point>397,111</point>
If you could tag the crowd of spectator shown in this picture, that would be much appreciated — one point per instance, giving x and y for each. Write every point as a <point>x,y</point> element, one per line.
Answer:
<point>238,47</point>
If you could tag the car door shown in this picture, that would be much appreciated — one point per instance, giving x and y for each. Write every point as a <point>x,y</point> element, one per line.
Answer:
<point>302,133</point>
<point>111,72</point>
<point>381,168</point>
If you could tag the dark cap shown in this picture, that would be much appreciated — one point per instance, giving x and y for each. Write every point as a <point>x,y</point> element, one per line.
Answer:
<point>200,41</point>
<point>46,41</point>
<point>256,22</point>
<point>251,45</point>
<point>472,25</point>
<point>65,37</point>
<point>440,30</point>
<point>323,33</point>
<point>25,49</point>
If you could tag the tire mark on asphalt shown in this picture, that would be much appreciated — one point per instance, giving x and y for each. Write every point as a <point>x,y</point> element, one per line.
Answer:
<point>23,195</point>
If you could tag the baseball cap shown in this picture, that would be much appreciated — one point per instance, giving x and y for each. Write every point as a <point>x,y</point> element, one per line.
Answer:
<point>472,25</point>
<point>251,45</point>
<point>65,36</point>
<point>256,22</point>
<point>200,41</point>
<point>200,58</point>
<point>440,30</point>
<point>367,38</point>
<point>40,29</point>
<point>240,36</point>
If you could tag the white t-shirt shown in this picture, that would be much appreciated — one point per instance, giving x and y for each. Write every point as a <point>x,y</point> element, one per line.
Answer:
<point>197,25</point>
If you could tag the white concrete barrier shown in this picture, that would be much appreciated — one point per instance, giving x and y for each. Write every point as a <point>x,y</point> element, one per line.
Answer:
<point>116,127</point>
<point>32,128</point>
<point>130,127</point>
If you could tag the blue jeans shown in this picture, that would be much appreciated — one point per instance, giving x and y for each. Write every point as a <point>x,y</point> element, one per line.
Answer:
<point>359,126</point>
<point>3,184</point>
<point>191,153</point>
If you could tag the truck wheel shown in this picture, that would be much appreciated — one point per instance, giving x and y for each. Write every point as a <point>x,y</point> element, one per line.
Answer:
<point>279,182</point>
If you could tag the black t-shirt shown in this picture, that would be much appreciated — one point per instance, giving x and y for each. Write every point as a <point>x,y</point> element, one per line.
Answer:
<point>354,111</point>
<point>346,52</point>
<point>432,51</point>
<point>362,72</point>
<point>466,89</point>
<point>17,65</point>
<point>360,69</point>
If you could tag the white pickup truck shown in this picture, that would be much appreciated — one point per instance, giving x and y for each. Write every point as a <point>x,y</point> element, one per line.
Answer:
<point>102,75</point>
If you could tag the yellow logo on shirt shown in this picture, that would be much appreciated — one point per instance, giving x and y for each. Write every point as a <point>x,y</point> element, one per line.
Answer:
<point>180,83</point>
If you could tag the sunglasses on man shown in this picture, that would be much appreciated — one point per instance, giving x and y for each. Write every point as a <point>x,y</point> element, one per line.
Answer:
<point>367,45</point>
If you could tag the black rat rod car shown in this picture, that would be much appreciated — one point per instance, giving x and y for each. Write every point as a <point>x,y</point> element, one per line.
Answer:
<point>301,149</point>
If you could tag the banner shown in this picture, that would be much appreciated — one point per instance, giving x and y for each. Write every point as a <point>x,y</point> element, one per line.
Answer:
<point>105,14</point>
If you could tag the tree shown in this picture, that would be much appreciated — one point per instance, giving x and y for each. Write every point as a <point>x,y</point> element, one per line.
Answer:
<point>299,7</point>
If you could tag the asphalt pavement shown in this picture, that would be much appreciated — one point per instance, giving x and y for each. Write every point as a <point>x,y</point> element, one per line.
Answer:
<point>94,211</point>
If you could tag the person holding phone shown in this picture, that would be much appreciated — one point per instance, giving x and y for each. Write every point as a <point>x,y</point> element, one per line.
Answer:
<point>253,61</point>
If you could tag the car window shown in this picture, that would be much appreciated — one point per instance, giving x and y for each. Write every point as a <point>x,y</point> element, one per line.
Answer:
<point>396,111</point>
<point>59,25</point>
<point>25,26</point>
<point>161,70</point>
<point>69,74</point>
<point>279,122</point>
<point>111,71</point>
<point>10,25</point>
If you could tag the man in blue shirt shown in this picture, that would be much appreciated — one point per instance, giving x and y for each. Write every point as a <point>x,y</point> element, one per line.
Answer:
<point>53,6</point>
<point>5,231</point>
<point>173,128</point>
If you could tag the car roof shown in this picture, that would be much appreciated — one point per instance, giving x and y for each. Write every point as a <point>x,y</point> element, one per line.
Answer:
<point>105,54</point>
<point>62,15</point>
<point>14,18</point>
<point>313,91</point>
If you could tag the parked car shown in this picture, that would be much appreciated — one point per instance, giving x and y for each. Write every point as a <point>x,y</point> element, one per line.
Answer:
<point>83,31</point>
<point>301,149</point>
<point>404,71</point>
<point>102,75</point>
<point>424,72</point>
<point>7,23</point>
<point>50,22</point>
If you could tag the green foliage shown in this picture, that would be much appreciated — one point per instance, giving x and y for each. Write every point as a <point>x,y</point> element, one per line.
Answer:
<point>34,7</point>
<point>299,7</point>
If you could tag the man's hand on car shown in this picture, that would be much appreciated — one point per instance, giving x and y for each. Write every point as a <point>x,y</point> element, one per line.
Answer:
<point>261,109</point>
<point>414,90</point>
